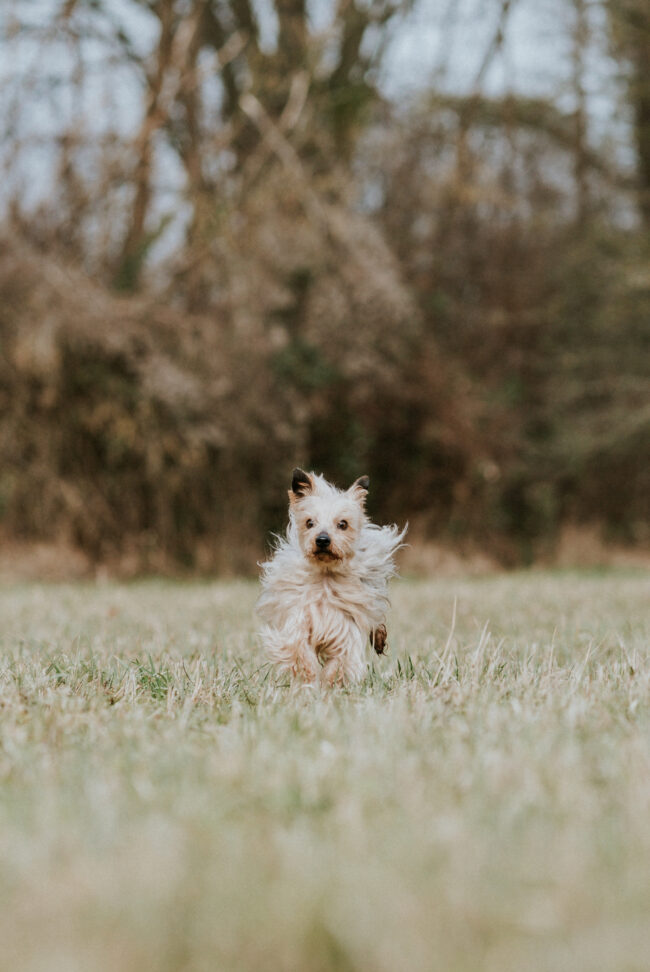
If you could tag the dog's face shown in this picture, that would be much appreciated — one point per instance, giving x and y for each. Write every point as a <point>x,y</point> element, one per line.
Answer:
<point>328,519</point>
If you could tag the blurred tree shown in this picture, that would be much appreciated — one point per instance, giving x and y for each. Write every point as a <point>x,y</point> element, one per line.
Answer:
<point>630,25</point>
<point>223,84</point>
<point>580,41</point>
<point>308,87</point>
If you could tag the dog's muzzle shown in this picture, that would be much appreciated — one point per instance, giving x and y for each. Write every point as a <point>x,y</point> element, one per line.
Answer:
<point>323,541</point>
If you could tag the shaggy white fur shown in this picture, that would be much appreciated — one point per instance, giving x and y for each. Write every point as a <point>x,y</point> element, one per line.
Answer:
<point>325,591</point>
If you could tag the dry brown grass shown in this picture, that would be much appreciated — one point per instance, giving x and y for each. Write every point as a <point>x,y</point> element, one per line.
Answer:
<point>482,801</point>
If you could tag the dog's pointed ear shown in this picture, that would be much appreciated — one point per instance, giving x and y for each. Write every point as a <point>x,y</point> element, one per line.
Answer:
<point>360,488</point>
<point>301,483</point>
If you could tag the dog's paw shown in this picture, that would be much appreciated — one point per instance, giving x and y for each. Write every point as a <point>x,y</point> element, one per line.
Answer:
<point>332,673</point>
<point>305,668</point>
<point>378,639</point>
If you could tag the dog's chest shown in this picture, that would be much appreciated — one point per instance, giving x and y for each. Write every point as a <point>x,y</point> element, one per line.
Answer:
<point>331,596</point>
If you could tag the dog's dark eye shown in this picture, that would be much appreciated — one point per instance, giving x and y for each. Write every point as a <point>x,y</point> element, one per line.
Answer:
<point>309,524</point>
<point>343,524</point>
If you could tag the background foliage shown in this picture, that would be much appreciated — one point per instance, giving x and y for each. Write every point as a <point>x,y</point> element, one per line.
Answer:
<point>248,252</point>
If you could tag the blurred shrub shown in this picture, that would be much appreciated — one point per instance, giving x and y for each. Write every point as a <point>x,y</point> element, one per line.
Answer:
<point>131,426</point>
<point>546,309</point>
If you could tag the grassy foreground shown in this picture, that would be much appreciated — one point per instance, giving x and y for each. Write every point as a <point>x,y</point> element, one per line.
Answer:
<point>481,802</point>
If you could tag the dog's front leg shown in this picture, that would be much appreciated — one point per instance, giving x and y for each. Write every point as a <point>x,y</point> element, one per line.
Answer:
<point>290,648</point>
<point>344,656</point>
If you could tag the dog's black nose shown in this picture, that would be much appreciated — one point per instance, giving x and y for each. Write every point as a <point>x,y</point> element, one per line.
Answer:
<point>322,541</point>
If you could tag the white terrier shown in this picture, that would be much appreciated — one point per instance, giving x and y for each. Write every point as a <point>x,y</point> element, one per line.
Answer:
<point>325,592</point>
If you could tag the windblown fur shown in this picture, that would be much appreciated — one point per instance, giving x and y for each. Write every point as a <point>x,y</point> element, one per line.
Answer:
<point>325,591</point>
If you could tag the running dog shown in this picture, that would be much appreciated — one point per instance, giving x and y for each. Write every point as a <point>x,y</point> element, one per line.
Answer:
<point>325,590</point>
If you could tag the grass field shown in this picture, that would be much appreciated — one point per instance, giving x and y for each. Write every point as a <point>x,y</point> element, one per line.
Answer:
<point>482,801</point>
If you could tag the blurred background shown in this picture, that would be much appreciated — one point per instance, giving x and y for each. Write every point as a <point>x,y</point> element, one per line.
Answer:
<point>363,236</point>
